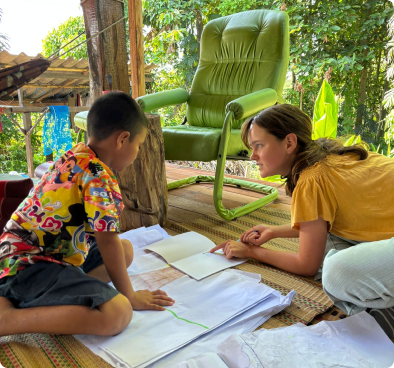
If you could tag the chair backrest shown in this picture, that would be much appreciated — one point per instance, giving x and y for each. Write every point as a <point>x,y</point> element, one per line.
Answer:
<point>240,54</point>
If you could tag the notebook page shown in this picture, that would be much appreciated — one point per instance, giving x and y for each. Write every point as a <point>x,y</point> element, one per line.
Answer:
<point>205,264</point>
<point>181,246</point>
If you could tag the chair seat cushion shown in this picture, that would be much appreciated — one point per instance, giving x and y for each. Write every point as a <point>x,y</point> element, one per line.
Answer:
<point>193,143</point>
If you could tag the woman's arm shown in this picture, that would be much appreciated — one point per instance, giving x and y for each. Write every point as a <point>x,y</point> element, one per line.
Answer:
<point>313,237</point>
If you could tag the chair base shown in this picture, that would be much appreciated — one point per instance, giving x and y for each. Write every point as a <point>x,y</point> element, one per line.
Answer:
<point>271,194</point>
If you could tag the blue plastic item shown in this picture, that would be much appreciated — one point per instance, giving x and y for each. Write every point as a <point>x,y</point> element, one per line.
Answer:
<point>56,132</point>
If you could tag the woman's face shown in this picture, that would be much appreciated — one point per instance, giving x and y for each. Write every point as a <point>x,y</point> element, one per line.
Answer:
<point>272,156</point>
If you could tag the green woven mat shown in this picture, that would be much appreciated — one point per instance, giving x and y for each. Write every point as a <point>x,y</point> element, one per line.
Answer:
<point>310,300</point>
<point>46,351</point>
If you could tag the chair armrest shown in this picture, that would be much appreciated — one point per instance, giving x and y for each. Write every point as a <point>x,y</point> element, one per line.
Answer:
<point>252,103</point>
<point>158,100</point>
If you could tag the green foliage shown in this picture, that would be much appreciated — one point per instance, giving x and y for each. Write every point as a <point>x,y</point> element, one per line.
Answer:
<point>55,40</point>
<point>325,116</point>
<point>175,28</point>
<point>12,152</point>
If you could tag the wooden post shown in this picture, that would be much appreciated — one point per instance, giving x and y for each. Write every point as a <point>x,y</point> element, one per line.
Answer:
<point>137,63</point>
<point>27,125</point>
<point>72,101</point>
<point>107,53</point>
<point>143,184</point>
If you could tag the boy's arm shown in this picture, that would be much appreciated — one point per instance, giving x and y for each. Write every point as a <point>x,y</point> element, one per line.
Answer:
<point>111,250</point>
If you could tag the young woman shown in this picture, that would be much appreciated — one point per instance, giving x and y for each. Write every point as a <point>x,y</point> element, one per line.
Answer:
<point>342,211</point>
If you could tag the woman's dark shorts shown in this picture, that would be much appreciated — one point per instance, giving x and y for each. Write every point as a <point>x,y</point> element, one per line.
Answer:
<point>48,284</point>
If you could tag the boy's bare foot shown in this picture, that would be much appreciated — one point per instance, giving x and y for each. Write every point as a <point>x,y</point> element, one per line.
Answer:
<point>6,308</point>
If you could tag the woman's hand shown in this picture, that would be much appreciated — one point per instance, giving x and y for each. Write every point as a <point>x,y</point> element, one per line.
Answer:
<point>258,235</point>
<point>152,300</point>
<point>233,248</point>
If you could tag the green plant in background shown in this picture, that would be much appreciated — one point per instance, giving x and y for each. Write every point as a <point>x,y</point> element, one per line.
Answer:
<point>325,113</point>
<point>12,152</point>
<point>60,36</point>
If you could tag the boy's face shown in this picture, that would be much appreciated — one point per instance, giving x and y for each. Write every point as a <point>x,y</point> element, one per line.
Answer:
<point>128,151</point>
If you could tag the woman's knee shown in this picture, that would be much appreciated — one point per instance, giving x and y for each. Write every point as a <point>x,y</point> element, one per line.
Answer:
<point>116,315</point>
<point>340,272</point>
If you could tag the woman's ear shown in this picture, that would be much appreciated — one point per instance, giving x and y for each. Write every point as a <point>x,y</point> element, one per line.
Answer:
<point>291,143</point>
<point>122,138</point>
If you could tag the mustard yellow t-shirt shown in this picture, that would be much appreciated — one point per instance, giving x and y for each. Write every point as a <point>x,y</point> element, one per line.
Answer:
<point>355,197</point>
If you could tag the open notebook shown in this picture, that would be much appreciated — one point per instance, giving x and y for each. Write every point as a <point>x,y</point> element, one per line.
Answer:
<point>189,253</point>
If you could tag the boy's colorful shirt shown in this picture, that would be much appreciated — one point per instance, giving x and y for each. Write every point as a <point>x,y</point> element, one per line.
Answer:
<point>77,196</point>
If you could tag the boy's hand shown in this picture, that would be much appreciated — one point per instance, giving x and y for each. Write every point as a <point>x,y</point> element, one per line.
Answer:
<point>152,300</point>
<point>233,248</point>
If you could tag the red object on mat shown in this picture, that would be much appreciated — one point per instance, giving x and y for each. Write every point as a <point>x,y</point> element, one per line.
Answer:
<point>12,193</point>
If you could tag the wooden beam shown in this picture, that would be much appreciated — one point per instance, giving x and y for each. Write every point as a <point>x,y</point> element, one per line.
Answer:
<point>72,100</point>
<point>46,86</point>
<point>57,89</point>
<point>78,70</point>
<point>137,64</point>
<point>27,126</point>
<point>66,75</point>
<point>23,109</point>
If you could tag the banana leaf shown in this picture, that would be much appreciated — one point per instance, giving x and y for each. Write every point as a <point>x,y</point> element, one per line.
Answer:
<point>325,114</point>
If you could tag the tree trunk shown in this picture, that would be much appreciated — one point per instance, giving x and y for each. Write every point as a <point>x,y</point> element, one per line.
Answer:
<point>361,96</point>
<point>199,27</point>
<point>382,114</point>
<point>114,45</point>
<point>143,184</point>
<point>107,53</point>
<point>94,49</point>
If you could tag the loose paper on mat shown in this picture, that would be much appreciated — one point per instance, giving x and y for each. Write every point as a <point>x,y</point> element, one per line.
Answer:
<point>188,252</point>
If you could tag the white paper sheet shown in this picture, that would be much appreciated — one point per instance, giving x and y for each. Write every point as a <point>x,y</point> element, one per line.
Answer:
<point>205,264</point>
<point>182,246</point>
<point>207,360</point>
<point>152,334</point>
<point>143,236</point>
<point>354,342</point>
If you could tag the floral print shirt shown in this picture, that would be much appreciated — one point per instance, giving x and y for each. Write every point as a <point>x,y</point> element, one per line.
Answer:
<point>56,222</point>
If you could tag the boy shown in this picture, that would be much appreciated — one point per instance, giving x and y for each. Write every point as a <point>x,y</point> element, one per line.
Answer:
<point>60,248</point>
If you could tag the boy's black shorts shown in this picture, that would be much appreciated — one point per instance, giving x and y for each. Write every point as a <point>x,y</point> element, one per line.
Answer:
<point>48,284</point>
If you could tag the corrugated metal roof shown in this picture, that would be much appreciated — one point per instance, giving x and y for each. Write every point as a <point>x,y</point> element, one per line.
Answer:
<point>62,77</point>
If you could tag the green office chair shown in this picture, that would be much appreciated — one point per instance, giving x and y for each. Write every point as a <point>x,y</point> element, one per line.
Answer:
<point>242,70</point>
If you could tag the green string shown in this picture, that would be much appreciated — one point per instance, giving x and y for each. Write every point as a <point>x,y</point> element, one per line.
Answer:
<point>194,323</point>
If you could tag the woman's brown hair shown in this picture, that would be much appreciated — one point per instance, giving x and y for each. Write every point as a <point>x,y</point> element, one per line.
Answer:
<point>281,120</point>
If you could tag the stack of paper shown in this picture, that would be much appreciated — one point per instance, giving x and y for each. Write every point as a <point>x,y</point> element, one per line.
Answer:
<point>200,307</point>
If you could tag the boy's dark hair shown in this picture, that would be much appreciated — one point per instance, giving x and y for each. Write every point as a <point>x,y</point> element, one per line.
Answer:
<point>113,112</point>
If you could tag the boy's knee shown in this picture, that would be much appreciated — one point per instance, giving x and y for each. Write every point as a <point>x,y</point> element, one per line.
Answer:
<point>128,251</point>
<point>117,314</point>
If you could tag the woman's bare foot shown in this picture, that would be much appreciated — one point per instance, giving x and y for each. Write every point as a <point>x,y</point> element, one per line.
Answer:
<point>6,308</point>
